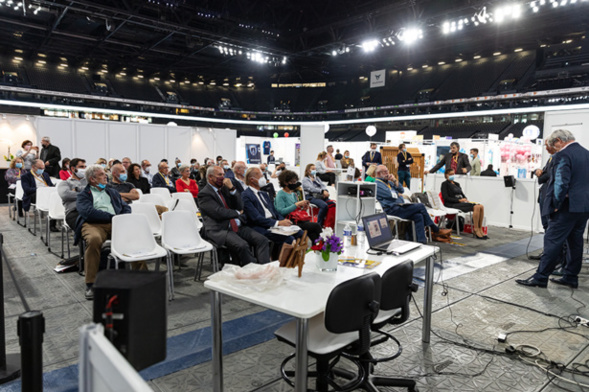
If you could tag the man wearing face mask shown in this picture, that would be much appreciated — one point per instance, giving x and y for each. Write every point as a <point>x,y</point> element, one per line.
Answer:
<point>260,211</point>
<point>404,159</point>
<point>97,204</point>
<point>455,160</point>
<point>221,207</point>
<point>388,193</point>
<point>227,169</point>
<point>50,155</point>
<point>146,170</point>
<point>475,162</point>
<point>371,156</point>
<point>174,172</point>
<point>119,183</point>
<point>68,190</point>
<point>33,180</point>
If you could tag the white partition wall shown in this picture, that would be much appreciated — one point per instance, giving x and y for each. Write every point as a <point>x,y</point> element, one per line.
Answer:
<point>312,142</point>
<point>91,139</point>
<point>576,121</point>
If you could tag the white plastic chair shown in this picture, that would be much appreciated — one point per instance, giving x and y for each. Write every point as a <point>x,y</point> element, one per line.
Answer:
<point>18,195</point>
<point>132,241</point>
<point>437,203</point>
<point>140,194</point>
<point>180,235</point>
<point>41,206</point>
<point>187,205</point>
<point>164,192</point>
<point>153,199</point>
<point>150,212</point>
<point>56,212</point>
<point>183,196</point>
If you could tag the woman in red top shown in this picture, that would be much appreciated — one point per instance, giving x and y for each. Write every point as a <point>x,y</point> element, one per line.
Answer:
<point>185,183</point>
<point>64,173</point>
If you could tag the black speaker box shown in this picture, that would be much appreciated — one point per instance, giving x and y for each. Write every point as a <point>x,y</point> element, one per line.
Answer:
<point>139,313</point>
<point>509,181</point>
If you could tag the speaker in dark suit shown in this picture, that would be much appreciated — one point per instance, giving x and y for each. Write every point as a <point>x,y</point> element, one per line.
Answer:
<point>50,155</point>
<point>372,156</point>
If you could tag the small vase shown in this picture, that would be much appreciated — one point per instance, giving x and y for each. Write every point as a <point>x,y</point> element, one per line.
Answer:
<point>329,265</point>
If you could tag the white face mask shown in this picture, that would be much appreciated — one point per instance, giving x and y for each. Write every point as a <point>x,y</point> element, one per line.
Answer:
<point>262,182</point>
<point>80,173</point>
<point>147,169</point>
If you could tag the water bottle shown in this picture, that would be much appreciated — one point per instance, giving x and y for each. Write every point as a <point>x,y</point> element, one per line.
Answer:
<point>360,236</point>
<point>347,236</point>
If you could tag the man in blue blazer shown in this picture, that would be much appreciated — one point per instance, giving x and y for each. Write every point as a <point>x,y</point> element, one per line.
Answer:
<point>567,205</point>
<point>162,179</point>
<point>260,211</point>
<point>371,156</point>
<point>35,178</point>
<point>97,204</point>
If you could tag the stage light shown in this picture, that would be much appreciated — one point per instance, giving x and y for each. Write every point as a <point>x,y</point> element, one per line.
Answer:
<point>497,54</point>
<point>518,50</point>
<point>446,27</point>
<point>284,59</point>
<point>370,45</point>
<point>457,60</point>
<point>410,35</point>
<point>441,62</point>
<point>477,57</point>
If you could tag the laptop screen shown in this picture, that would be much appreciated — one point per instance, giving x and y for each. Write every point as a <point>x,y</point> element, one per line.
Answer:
<point>377,229</point>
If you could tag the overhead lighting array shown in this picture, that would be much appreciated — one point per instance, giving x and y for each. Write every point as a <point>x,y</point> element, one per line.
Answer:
<point>256,56</point>
<point>537,5</point>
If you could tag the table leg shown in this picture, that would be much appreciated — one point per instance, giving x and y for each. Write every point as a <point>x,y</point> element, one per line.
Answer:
<point>217,357</point>
<point>301,355</point>
<point>427,300</point>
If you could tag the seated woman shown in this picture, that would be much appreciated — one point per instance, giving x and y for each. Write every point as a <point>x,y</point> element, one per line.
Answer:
<point>316,192</point>
<point>370,173</point>
<point>64,173</point>
<point>287,201</point>
<point>454,198</point>
<point>346,160</point>
<point>322,171</point>
<point>13,174</point>
<point>185,183</point>
<point>135,178</point>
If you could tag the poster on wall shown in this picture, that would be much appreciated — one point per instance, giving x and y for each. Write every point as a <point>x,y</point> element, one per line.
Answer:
<point>253,154</point>
<point>377,78</point>
<point>298,154</point>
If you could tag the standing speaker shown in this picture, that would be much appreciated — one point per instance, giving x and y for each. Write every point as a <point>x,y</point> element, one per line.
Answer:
<point>139,320</point>
<point>509,181</point>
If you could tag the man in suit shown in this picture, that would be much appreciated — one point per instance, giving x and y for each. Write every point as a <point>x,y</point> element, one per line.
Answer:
<point>388,194</point>
<point>221,207</point>
<point>36,178</point>
<point>97,204</point>
<point>371,157</point>
<point>238,179</point>
<point>260,211</point>
<point>161,179</point>
<point>50,155</point>
<point>456,161</point>
<point>227,169</point>
<point>567,205</point>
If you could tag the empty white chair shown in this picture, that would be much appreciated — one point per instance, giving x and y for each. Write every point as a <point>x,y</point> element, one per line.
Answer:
<point>183,196</point>
<point>154,199</point>
<point>132,241</point>
<point>42,206</point>
<point>187,205</point>
<point>180,235</point>
<point>56,212</point>
<point>150,212</point>
<point>18,195</point>
<point>164,192</point>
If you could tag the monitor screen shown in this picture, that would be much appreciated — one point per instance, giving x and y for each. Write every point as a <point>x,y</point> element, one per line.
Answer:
<point>377,229</point>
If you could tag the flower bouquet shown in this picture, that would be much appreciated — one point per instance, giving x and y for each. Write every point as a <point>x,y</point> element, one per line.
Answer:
<point>330,246</point>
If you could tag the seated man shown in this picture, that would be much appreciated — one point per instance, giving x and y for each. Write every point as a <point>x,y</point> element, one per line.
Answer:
<point>238,179</point>
<point>227,169</point>
<point>388,194</point>
<point>68,190</point>
<point>269,186</point>
<point>161,179</point>
<point>96,205</point>
<point>119,183</point>
<point>260,211</point>
<point>145,170</point>
<point>35,178</point>
<point>222,211</point>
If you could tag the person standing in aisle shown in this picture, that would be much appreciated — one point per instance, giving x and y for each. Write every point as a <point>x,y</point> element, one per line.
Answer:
<point>50,155</point>
<point>404,171</point>
<point>475,162</point>
<point>371,156</point>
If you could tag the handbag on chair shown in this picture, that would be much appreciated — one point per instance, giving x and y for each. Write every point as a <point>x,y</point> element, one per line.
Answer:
<point>299,216</point>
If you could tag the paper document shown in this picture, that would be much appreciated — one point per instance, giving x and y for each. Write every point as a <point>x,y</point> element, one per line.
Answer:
<point>285,230</point>
<point>357,263</point>
<point>139,254</point>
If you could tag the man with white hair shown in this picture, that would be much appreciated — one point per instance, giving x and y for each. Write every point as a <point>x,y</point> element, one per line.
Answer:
<point>50,155</point>
<point>146,169</point>
<point>162,178</point>
<point>567,205</point>
<point>239,176</point>
<point>97,204</point>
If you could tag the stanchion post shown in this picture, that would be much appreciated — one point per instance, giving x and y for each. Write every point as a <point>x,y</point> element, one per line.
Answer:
<point>9,364</point>
<point>31,327</point>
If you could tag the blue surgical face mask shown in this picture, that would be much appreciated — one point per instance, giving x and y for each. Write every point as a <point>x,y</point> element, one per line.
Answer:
<point>39,172</point>
<point>226,167</point>
<point>18,165</point>
<point>179,164</point>
<point>471,156</point>
<point>404,150</point>
<point>123,177</point>
<point>313,172</point>
<point>101,186</point>
<point>103,165</point>
<point>451,178</point>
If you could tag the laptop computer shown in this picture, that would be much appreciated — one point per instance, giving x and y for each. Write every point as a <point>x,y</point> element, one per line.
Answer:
<point>380,237</point>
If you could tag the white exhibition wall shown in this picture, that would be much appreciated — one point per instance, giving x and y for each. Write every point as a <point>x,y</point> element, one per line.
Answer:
<point>92,139</point>
<point>576,121</point>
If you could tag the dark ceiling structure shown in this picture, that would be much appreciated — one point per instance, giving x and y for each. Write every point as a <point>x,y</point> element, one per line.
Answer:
<point>271,41</point>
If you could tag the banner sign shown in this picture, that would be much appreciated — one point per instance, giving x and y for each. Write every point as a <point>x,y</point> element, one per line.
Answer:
<point>377,78</point>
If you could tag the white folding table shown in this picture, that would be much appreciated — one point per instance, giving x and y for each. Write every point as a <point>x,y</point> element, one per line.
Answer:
<point>306,297</point>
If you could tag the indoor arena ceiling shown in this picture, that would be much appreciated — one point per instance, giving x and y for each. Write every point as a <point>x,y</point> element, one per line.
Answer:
<point>281,40</point>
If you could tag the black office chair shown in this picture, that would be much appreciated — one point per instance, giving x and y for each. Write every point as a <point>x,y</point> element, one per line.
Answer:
<point>344,327</point>
<point>397,289</point>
